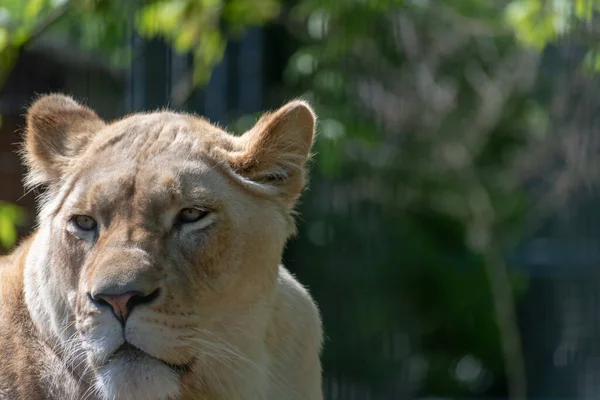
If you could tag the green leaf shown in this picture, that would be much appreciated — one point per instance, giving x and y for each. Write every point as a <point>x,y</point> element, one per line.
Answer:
<point>584,9</point>
<point>33,9</point>
<point>8,233</point>
<point>531,23</point>
<point>591,62</point>
<point>11,216</point>
<point>3,39</point>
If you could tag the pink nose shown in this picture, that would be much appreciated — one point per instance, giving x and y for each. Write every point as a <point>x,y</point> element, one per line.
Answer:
<point>119,303</point>
<point>122,301</point>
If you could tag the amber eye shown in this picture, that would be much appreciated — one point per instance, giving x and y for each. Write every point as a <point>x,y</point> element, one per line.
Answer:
<point>190,215</point>
<point>84,222</point>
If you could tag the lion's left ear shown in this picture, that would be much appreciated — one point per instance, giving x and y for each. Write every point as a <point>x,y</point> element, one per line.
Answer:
<point>58,128</point>
<point>276,149</point>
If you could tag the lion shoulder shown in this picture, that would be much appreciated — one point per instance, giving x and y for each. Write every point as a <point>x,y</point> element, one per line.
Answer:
<point>295,337</point>
<point>31,371</point>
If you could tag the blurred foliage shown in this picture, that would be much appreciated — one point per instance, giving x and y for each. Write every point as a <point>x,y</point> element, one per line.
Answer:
<point>11,216</point>
<point>428,113</point>
<point>539,22</point>
<point>200,27</point>
<point>194,26</point>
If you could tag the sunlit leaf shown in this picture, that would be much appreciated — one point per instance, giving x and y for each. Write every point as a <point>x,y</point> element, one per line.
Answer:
<point>33,9</point>
<point>11,216</point>
<point>3,38</point>
<point>187,37</point>
<point>533,26</point>
<point>8,233</point>
<point>243,12</point>
<point>584,9</point>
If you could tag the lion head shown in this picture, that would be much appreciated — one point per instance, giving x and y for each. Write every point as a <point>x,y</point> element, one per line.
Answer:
<point>159,241</point>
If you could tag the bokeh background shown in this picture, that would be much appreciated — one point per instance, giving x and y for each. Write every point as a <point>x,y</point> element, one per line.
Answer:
<point>450,234</point>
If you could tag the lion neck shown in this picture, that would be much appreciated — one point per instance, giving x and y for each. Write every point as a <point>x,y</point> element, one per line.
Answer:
<point>37,371</point>
<point>45,315</point>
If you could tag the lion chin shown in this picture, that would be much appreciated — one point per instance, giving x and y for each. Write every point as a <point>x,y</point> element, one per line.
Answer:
<point>131,374</point>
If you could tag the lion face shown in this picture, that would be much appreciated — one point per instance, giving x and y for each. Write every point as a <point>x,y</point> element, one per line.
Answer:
<point>159,239</point>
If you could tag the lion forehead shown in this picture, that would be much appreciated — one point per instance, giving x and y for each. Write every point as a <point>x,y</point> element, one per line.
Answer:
<point>143,136</point>
<point>157,158</point>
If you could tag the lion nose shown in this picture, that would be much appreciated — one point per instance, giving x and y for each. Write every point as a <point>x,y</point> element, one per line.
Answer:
<point>122,304</point>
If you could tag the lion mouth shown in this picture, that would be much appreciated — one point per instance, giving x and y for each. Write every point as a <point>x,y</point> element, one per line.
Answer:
<point>131,354</point>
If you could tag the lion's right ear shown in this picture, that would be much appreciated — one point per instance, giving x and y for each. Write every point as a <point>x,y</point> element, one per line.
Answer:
<point>58,128</point>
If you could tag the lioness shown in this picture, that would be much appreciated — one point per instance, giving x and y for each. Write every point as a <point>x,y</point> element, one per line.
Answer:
<point>154,272</point>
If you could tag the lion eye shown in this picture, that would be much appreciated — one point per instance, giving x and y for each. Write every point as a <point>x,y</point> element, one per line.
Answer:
<point>84,222</point>
<point>189,215</point>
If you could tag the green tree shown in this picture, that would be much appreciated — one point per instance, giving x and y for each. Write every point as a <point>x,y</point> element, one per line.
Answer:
<point>418,124</point>
<point>199,27</point>
<point>539,22</point>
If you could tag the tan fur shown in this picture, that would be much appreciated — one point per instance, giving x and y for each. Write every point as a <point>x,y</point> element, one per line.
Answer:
<point>222,318</point>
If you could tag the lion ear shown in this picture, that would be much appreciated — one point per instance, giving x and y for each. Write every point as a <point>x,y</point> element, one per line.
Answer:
<point>275,151</point>
<point>58,128</point>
